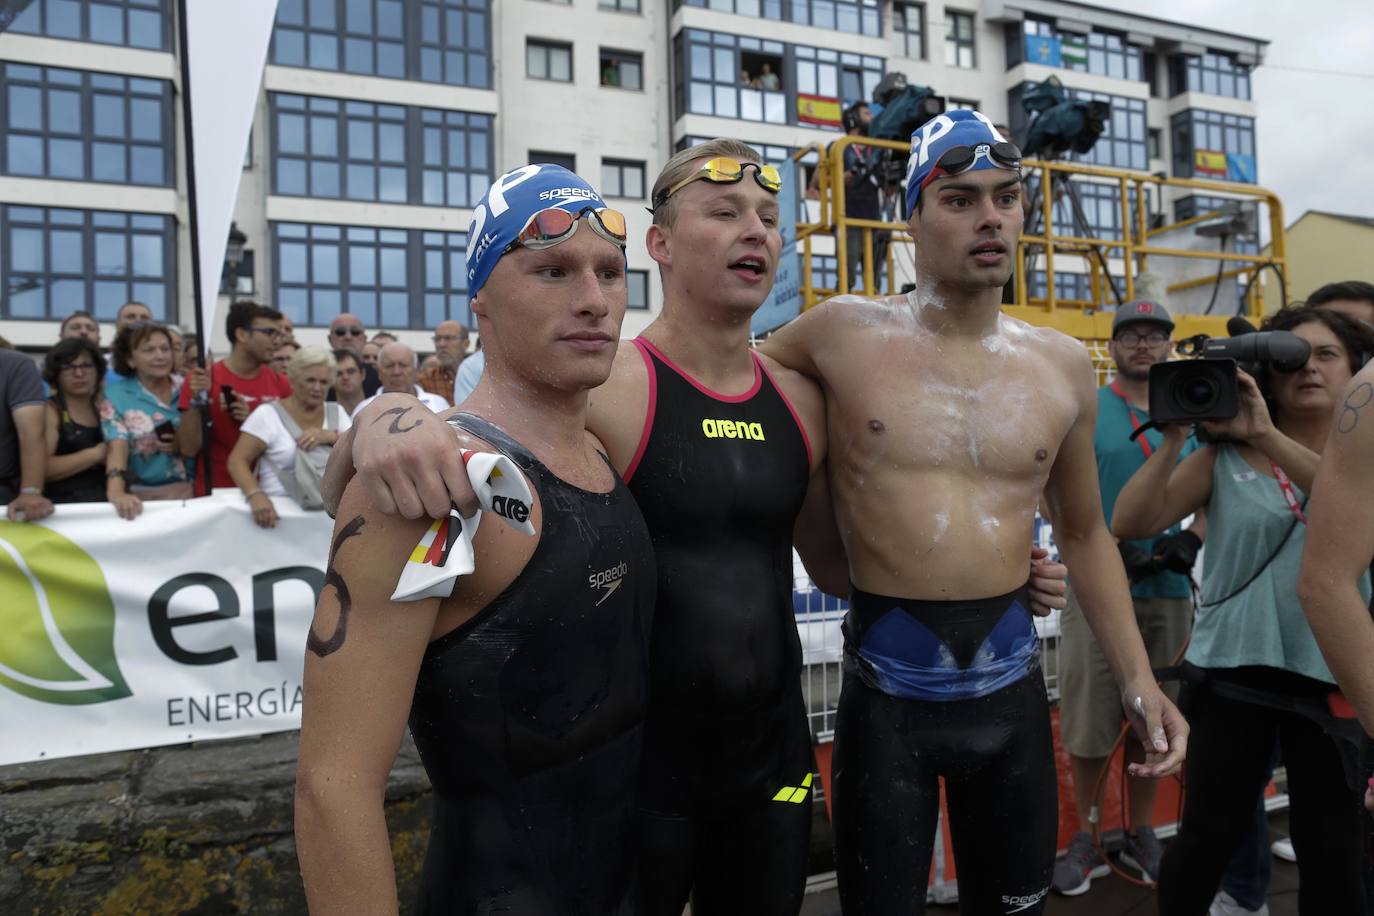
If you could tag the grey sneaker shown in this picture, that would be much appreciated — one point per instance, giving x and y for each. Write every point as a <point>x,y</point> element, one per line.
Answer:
<point>1143,852</point>
<point>1074,873</point>
<point>1223,904</point>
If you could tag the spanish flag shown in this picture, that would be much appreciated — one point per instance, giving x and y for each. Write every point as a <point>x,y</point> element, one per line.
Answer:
<point>1209,162</point>
<point>818,109</point>
<point>445,551</point>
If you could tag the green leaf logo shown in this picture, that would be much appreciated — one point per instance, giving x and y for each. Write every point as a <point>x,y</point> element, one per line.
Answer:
<point>57,620</point>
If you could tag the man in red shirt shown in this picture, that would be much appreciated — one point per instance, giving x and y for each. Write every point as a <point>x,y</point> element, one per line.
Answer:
<point>238,384</point>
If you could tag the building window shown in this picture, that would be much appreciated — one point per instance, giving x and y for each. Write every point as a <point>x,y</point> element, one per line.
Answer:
<point>446,278</point>
<point>340,149</point>
<point>909,24</point>
<point>637,282</point>
<point>1036,40</point>
<point>1155,143</point>
<point>960,48</point>
<point>567,160</point>
<point>1214,73</point>
<point>1209,144</point>
<point>718,76</point>
<point>456,160</point>
<point>953,104</point>
<point>825,271</point>
<point>622,178</point>
<point>1067,286</point>
<point>622,69</point>
<point>358,151</point>
<point>547,60</point>
<point>324,270</point>
<point>763,9</point>
<point>859,17</point>
<point>455,42</point>
<point>55,261</point>
<point>450,43</point>
<point>133,23</point>
<point>85,126</point>
<point>831,80</point>
<point>620,6</point>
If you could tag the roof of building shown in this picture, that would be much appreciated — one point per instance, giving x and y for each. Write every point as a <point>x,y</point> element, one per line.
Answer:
<point>1141,29</point>
<point>1365,221</point>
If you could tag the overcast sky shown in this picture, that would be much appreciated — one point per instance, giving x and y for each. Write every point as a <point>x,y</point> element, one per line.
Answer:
<point>1315,142</point>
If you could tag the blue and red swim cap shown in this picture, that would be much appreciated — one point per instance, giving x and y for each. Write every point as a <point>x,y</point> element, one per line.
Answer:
<point>939,135</point>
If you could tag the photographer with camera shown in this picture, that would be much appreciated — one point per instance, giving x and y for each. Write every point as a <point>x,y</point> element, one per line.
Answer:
<point>862,197</point>
<point>1158,567</point>
<point>1253,671</point>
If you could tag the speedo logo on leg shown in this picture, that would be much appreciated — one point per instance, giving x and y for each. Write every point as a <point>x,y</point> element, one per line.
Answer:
<point>608,579</point>
<point>1021,903</point>
<point>732,429</point>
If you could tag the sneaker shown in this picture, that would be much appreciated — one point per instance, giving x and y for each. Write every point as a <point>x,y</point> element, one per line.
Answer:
<point>1143,852</point>
<point>1223,904</point>
<point>1074,873</point>
<point>1283,849</point>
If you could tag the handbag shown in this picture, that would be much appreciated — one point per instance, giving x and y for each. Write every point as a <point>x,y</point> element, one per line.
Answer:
<point>302,482</point>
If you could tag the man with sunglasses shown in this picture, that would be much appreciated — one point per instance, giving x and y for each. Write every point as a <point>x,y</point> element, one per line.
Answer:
<point>237,384</point>
<point>525,688</point>
<point>720,447</point>
<point>952,422</point>
<point>346,332</point>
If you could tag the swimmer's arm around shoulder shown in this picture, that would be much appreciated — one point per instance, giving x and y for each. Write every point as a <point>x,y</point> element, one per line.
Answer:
<point>817,539</point>
<point>362,658</point>
<point>1340,542</point>
<point>404,456</point>
<point>1165,490</point>
<point>1088,549</point>
<point>796,344</point>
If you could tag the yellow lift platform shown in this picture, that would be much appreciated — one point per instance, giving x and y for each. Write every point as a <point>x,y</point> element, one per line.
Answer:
<point>1131,254</point>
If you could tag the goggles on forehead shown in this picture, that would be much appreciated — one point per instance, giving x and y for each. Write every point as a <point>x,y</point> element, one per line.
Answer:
<point>959,159</point>
<point>724,170</point>
<point>547,228</point>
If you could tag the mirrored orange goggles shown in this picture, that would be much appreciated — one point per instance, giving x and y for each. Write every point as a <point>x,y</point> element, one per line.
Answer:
<point>547,228</point>
<point>724,170</point>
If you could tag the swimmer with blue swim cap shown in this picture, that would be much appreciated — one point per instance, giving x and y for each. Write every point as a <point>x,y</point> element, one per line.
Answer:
<point>954,143</point>
<point>530,681</point>
<point>537,207</point>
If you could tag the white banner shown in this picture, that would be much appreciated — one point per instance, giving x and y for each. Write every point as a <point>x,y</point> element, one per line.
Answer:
<point>226,49</point>
<point>185,624</point>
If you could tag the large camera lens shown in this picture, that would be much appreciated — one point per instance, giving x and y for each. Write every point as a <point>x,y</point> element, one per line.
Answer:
<point>1197,394</point>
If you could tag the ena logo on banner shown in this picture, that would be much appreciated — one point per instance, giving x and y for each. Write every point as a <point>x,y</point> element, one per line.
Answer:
<point>58,620</point>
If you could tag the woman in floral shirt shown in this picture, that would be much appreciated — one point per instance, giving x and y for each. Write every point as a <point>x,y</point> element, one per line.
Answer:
<point>141,462</point>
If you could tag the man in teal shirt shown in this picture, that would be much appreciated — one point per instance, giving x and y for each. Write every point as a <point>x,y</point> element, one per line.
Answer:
<point>1090,707</point>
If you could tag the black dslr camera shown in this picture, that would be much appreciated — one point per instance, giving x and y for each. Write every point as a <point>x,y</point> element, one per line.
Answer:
<point>1206,387</point>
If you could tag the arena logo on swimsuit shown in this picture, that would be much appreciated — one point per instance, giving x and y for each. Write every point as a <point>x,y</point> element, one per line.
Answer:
<point>732,429</point>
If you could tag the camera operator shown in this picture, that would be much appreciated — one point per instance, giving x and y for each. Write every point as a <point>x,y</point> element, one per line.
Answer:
<point>862,197</point>
<point>1253,671</point>
<point>1159,567</point>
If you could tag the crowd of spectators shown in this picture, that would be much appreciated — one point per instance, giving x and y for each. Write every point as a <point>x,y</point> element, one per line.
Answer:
<point>126,426</point>
<point>1253,672</point>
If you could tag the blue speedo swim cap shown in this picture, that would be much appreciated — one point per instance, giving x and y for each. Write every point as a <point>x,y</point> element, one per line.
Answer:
<point>940,134</point>
<point>508,205</point>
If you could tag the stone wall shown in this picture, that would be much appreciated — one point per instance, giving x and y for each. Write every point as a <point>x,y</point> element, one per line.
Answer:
<point>201,828</point>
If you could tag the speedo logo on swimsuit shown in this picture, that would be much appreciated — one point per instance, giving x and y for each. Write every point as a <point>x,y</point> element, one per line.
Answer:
<point>1023,902</point>
<point>732,429</point>
<point>511,508</point>
<point>609,579</point>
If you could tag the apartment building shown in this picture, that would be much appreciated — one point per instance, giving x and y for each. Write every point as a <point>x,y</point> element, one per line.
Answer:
<point>380,122</point>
